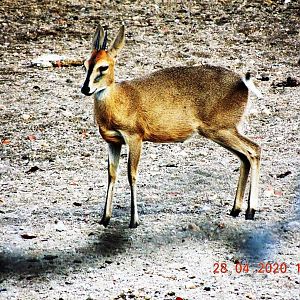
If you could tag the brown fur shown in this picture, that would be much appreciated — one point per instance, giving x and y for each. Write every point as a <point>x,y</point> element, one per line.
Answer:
<point>171,104</point>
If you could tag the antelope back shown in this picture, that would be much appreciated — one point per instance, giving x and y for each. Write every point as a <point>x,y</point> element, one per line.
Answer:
<point>179,98</point>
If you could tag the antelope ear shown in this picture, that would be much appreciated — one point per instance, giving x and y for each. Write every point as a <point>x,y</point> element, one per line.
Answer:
<point>118,43</point>
<point>98,38</point>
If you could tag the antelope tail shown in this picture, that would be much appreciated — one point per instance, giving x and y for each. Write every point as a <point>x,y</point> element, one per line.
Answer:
<point>251,86</point>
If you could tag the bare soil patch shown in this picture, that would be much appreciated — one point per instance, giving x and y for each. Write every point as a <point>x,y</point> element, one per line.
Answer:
<point>53,161</point>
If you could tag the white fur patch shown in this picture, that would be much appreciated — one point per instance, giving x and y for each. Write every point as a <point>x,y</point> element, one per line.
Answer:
<point>101,93</point>
<point>251,86</point>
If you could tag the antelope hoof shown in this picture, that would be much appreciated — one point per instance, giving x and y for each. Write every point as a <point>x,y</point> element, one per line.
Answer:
<point>250,214</point>
<point>134,224</point>
<point>105,221</point>
<point>235,212</point>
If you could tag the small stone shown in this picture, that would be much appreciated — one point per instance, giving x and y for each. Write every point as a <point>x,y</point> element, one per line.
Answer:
<point>264,77</point>
<point>250,296</point>
<point>25,117</point>
<point>33,169</point>
<point>221,225</point>
<point>205,208</point>
<point>171,294</point>
<point>207,288</point>
<point>266,111</point>
<point>193,227</point>
<point>203,152</point>
<point>86,154</point>
<point>108,262</point>
<point>190,285</point>
<point>67,114</point>
<point>292,82</point>
<point>28,236</point>
<point>50,256</point>
<point>59,226</point>
<point>43,144</point>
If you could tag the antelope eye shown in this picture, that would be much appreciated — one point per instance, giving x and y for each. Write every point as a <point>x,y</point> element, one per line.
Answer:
<point>98,78</point>
<point>103,69</point>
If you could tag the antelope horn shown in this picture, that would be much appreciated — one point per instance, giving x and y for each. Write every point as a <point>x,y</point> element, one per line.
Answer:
<point>104,45</point>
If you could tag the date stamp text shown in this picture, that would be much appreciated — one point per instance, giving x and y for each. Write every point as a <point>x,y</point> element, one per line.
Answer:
<point>260,268</point>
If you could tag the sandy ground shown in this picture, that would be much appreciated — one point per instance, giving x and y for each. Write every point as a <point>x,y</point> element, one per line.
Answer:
<point>53,162</point>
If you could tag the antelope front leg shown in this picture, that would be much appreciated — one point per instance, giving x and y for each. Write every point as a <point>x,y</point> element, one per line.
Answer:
<point>114,151</point>
<point>134,146</point>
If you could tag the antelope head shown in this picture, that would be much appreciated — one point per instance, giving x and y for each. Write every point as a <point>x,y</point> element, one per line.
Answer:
<point>100,65</point>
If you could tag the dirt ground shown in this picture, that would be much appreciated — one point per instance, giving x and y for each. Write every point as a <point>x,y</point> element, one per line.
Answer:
<point>53,173</point>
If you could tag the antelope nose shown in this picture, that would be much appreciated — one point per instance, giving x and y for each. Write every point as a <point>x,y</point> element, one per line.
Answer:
<point>85,90</point>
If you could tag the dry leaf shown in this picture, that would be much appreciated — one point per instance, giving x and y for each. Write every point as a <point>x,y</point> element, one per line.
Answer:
<point>5,142</point>
<point>278,193</point>
<point>32,137</point>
